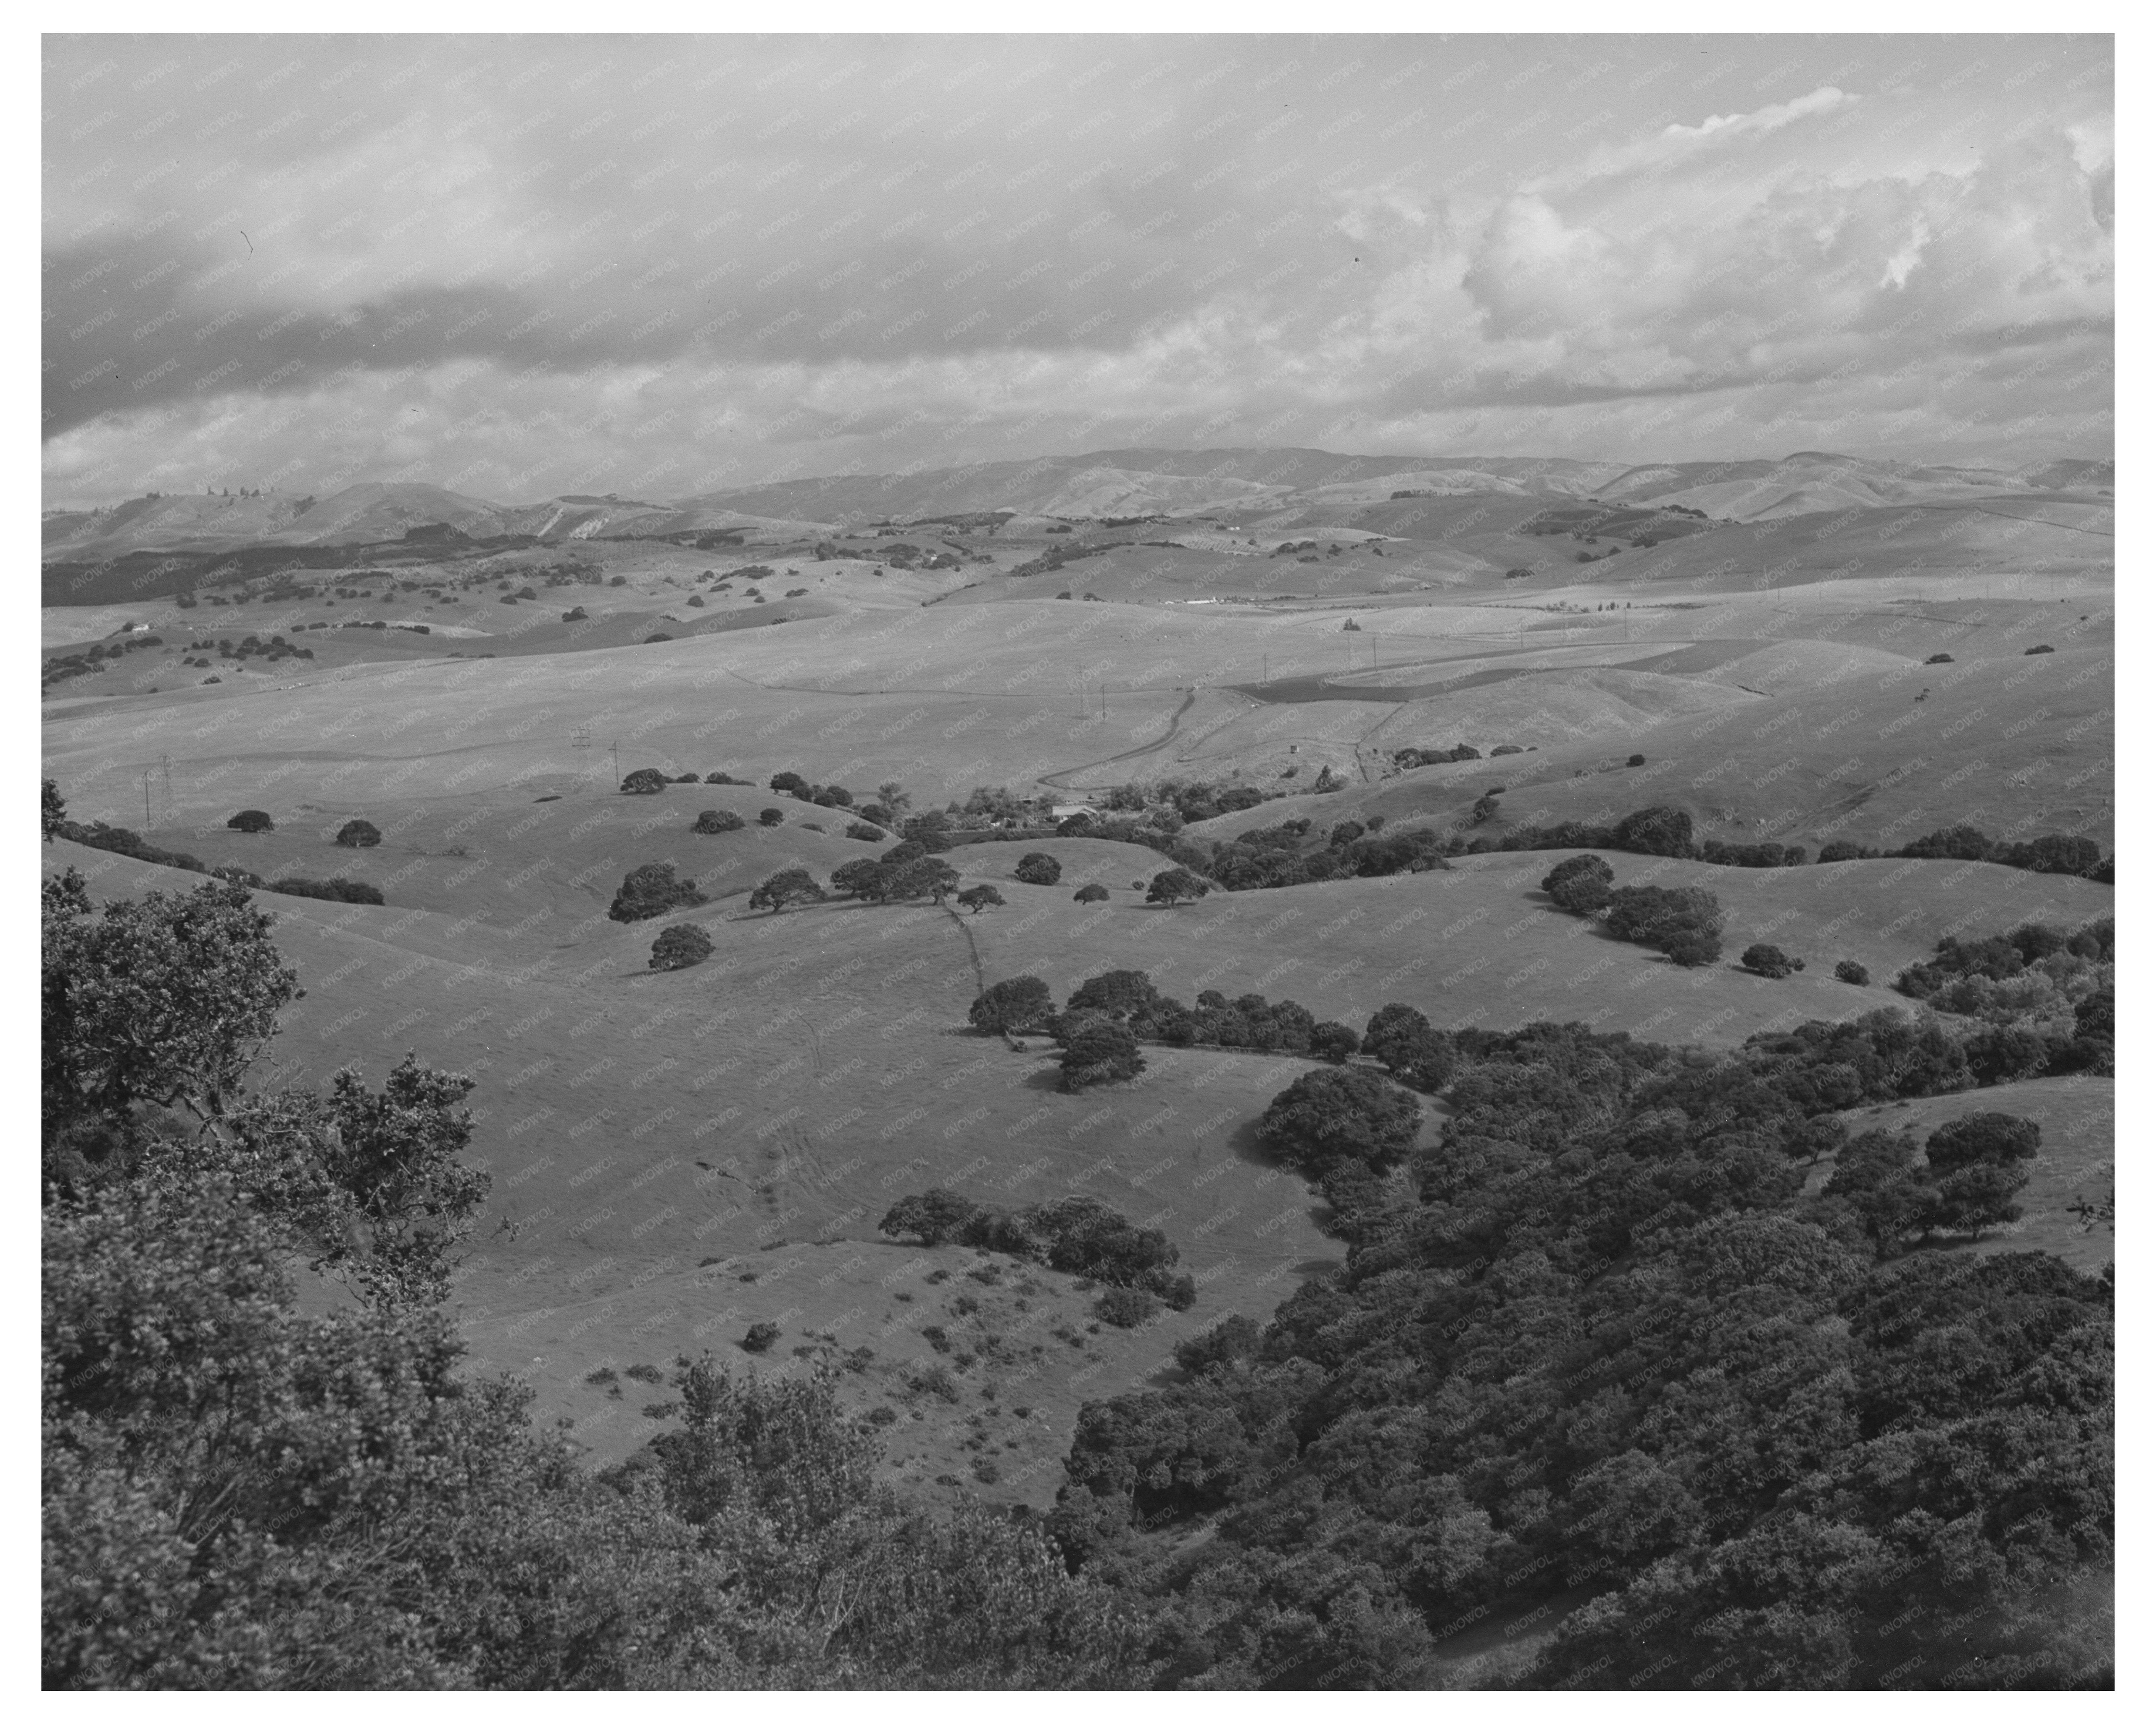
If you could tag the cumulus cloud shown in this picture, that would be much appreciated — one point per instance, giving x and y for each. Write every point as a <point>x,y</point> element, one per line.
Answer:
<point>522,267</point>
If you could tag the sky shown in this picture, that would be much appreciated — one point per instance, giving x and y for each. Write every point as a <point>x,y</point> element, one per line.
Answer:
<point>662,266</point>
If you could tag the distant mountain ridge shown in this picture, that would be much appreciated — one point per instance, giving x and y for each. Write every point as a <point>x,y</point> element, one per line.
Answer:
<point>1245,484</point>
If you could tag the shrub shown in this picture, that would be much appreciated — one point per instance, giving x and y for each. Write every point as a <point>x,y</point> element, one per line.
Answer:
<point>645,781</point>
<point>683,778</point>
<point>2032,652</point>
<point>771,816</point>
<point>1348,1114</point>
<point>1636,760</point>
<point>867,833</point>
<point>1841,850</point>
<point>1580,884</point>
<point>1684,924</point>
<point>789,885</point>
<point>1125,1307</point>
<point>578,615</point>
<point>1091,893</point>
<point>1940,659</point>
<point>759,1338</point>
<point>653,639</point>
<point>1021,1002</point>
<point>359,835</point>
<point>337,889</point>
<point>1770,961</point>
<point>1098,1050</point>
<point>933,1216</point>
<point>977,899</point>
<point>790,784</point>
<point>251,820</point>
<point>1038,869</point>
<point>651,890</point>
<point>1850,971</point>
<point>716,820</point>
<point>678,947</point>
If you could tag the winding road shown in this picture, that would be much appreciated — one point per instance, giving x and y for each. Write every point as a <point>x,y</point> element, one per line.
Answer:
<point>1061,781</point>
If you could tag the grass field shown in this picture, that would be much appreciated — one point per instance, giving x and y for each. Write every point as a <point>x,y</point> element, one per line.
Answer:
<point>655,1138</point>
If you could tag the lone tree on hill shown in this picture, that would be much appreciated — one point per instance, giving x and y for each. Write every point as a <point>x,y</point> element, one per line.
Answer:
<point>771,816</point>
<point>1038,869</point>
<point>1579,884</point>
<point>864,877</point>
<point>678,947</point>
<point>928,877</point>
<point>652,890</point>
<point>1348,1114</point>
<point>1020,1003</point>
<point>54,813</point>
<point>712,821</point>
<point>251,820</point>
<point>1176,885</point>
<point>1099,1050</point>
<point>359,835</point>
<point>645,781</point>
<point>977,899</point>
<point>789,885</point>
<point>1093,892</point>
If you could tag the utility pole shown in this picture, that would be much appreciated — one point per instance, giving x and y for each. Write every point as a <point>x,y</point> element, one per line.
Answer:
<point>615,749</point>
<point>146,796</point>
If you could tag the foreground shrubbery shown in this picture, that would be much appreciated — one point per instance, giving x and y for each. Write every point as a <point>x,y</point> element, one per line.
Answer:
<point>246,1488</point>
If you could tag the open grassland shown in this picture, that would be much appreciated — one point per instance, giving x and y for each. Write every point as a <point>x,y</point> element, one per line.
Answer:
<point>657,1139</point>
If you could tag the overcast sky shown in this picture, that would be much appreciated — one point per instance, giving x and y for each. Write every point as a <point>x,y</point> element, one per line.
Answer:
<point>517,267</point>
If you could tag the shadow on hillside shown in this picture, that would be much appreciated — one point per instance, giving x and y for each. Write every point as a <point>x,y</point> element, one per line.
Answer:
<point>1243,1142</point>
